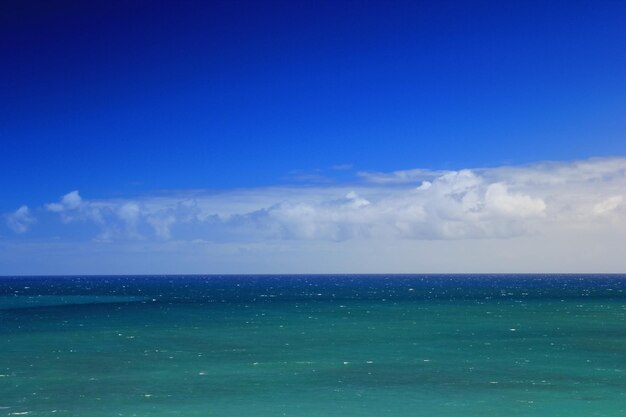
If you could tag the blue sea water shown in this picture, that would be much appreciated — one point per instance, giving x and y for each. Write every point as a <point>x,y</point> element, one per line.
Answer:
<point>307,346</point>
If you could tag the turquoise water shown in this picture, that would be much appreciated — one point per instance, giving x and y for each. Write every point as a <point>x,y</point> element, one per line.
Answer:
<point>466,345</point>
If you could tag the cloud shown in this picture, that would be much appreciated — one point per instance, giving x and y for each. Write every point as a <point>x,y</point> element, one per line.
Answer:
<point>401,176</point>
<point>341,167</point>
<point>70,201</point>
<point>549,216</point>
<point>501,202</point>
<point>20,220</point>
<point>551,173</point>
<point>609,205</point>
<point>72,207</point>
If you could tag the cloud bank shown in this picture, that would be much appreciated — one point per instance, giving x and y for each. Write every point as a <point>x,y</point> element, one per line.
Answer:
<point>466,204</point>
<point>538,203</point>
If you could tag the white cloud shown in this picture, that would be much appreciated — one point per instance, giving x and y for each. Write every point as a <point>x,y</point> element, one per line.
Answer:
<point>129,212</point>
<point>72,208</point>
<point>401,176</point>
<point>20,220</point>
<point>567,216</point>
<point>609,205</point>
<point>70,201</point>
<point>501,202</point>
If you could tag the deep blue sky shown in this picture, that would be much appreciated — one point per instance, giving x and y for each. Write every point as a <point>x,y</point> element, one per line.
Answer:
<point>115,98</point>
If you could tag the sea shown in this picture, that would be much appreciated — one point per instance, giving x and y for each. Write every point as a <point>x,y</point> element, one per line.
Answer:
<point>313,345</point>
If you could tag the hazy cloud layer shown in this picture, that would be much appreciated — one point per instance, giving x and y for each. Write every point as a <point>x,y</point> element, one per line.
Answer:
<point>466,204</point>
<point>529,209</point>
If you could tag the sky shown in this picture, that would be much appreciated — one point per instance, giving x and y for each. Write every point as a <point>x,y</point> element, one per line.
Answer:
<point>153,137</point>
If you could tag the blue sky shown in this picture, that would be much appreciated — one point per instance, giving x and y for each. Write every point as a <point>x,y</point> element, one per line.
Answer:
<point>243,108</point>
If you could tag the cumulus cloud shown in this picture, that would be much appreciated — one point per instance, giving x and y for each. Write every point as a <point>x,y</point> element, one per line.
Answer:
<point>72,207</point>
<point>500,202</point>
<point>70,201</point>
<point>20,220</point>
<point>127,218</point>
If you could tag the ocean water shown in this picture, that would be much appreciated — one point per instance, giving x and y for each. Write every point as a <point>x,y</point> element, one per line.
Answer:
<point>306,346</point>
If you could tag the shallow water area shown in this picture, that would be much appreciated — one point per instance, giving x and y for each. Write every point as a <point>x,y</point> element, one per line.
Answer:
<point>357,345</point>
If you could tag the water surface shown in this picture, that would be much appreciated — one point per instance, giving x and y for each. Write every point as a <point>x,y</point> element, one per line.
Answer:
<point>307,346</point>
